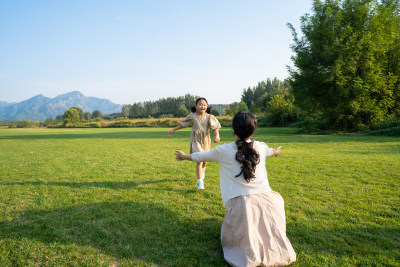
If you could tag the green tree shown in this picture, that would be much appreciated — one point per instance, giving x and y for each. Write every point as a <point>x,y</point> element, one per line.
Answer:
<point>27,123</point>
<point>59,117</point>
<point>190,101</point>
<point>48,121</point>
<point>87,116</point>
<point>80,112</point>
<point>96,114</point>
<point>215,112</point>
<point>346,64</point>
<point>161,106</point>
<point>182,111</point>
<point>241,106</point>
<point>257,97</point>
<point>248,96</point>
<point>280,111</point>
<point>125,111</point>
<point>228,110</point>
<point>71,115</point>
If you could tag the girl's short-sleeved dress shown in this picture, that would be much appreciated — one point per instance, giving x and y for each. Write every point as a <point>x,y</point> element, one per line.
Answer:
<point>200,139</point>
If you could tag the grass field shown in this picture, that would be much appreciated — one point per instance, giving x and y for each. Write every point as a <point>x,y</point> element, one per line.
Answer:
<point>103,197</point>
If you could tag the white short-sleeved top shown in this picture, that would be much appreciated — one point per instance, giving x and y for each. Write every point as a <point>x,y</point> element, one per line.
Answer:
<point>229,167</point>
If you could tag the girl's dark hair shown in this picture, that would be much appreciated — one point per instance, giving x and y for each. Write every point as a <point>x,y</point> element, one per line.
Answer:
<point>244,125</point>
<point>193,109</point>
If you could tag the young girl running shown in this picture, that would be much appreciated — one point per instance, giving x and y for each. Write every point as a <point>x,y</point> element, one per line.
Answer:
<point>253,232</point>
<point>201,120</point>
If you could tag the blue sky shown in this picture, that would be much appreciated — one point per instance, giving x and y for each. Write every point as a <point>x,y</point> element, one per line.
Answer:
<point>131,51</point>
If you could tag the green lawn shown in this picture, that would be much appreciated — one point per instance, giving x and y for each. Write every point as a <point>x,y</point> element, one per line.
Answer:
<point>117,196</point>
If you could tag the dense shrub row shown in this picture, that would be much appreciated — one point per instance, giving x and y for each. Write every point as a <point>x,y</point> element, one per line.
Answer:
<point>123,123</point>
<point>226,121</point>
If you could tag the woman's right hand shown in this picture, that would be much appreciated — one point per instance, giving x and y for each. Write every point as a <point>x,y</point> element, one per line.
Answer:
<point>179,155</point>
<point>170,132</point>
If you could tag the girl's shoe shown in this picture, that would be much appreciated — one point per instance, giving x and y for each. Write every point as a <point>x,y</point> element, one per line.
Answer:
<point>200,184</point>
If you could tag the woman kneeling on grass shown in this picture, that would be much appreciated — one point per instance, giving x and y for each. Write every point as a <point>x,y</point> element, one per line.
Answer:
<point>254,229</point>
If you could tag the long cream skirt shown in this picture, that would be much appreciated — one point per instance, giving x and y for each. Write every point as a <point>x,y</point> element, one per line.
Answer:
<point>254,231</point>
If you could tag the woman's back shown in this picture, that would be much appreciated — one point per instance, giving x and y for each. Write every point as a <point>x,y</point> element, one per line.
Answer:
<point>232,186</point>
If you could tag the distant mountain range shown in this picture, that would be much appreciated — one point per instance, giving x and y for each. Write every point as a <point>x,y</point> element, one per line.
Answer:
<point>39,107</point>
<point>6,104</point>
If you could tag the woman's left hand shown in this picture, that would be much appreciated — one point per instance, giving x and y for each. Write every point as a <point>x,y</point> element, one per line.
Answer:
<point>277,151</point>
<point>216,139</point>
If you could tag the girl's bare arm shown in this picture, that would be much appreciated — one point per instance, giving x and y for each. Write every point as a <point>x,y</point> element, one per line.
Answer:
<point>216,138</point>
<point>175,129</point>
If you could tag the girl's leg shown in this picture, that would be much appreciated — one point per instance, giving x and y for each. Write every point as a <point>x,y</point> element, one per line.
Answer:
<point>199,170</point>
<point>203,171</point>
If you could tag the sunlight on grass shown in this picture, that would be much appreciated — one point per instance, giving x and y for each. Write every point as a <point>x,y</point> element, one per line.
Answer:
<point>118,196</point>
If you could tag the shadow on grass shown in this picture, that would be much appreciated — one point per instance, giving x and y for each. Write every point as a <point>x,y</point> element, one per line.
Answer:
<point>112,135</point>
<point>164,184</point>
<point>226,137</point>
<point>112,185</point>
<point>126,230</point>
<point>131,231</point>
<point>268,135</point>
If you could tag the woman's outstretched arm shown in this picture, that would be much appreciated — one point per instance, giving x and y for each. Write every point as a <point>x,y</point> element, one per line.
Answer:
<point>276,152</point>
<point>212,155</point>
<point>179,155</point>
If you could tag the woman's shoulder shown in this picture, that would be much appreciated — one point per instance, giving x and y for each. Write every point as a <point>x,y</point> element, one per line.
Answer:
<point>227,146</point>
<point>260,144</point>
<point>263,148</point>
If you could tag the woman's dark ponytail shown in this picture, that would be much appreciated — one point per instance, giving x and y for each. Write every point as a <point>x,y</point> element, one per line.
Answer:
<point>244,125</point>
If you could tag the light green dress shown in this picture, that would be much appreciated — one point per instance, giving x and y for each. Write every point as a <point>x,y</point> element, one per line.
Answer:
<point>200,139</point>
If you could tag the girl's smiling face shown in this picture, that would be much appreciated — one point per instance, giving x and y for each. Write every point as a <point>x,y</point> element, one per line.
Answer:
<point>201,107</point>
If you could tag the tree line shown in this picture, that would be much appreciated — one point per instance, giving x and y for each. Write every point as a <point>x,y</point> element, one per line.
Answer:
<point>164,107</point>
<point>271,99</point>
<point>74,115</point>
<point>346,72</point>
